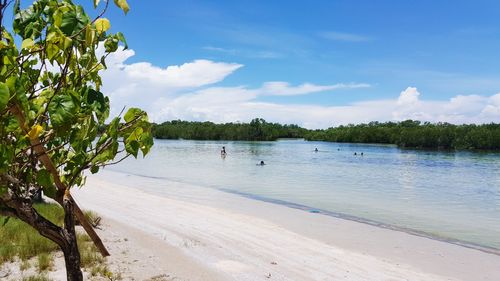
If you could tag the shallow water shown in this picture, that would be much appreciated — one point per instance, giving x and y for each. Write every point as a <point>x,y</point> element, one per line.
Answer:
<point>453,195</point>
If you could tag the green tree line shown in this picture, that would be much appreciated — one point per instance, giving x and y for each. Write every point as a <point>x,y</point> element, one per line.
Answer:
<point>415,134</point>
<point>257,130</point>
<point>409,133</point>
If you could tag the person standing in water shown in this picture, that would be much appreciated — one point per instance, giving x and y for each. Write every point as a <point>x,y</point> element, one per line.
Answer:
<point>316,149</point>
<point>223,151</point>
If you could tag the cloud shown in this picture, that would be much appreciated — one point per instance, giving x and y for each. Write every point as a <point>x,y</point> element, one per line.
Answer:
<point>408,96</point>
<point>187,92</point>
<point>458,109</point>
<point>279,88</point>
<point>192,74</point>
<point>344,37</point>
<point>230,104</point>
<point>493,107</point>
<point>141,83</point>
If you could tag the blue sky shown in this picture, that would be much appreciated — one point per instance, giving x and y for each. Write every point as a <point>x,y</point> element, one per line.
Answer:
<point>444,48</point>
<point>436,51</point>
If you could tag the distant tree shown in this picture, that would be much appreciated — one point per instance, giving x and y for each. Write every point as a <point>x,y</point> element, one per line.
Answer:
<point>415,134</point>
<point>52,115</point>
<point>257,130</point>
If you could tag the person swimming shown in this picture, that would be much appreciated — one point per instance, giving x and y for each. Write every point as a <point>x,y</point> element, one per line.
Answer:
<point>355,154</point>
<point>316,149</point>
<point>361,153</point>
<point>261,163</point>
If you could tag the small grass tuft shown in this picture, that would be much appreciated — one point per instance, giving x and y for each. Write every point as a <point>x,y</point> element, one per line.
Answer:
<point>45,262</point>
<point>39,277</point>
<point>89,254</point>
<point>103,271</point>
<point>24,265</point>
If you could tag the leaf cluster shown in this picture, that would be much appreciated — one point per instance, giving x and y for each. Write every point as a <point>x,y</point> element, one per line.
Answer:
<point>50,96</point>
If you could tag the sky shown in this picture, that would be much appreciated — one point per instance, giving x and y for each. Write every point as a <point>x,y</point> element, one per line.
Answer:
<point>316,63</point>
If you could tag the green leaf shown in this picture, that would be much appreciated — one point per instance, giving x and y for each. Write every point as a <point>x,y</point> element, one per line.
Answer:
<point>89,36</point>
<point>147,142</point>
<point>85,60</point>
<point>69,23</point>
<point>61,110</point>
<point>121,37</point>
<point>96,3</point>
<point>112,129</point>
<point>132,113</point>
<point>67,42</point>
<point>94,169</point>
<point>12,125</point>
<point>132,144</point>
<point>96,97</point>
<point>52,51</point>
<point>45,180</point>
<point>27,43</point>
<point>102,25</point>
<point>132,147</point>
<point>23,21</point>
<point>122,4</point>
<point>73,21</point>
<point>50,191</point>
<point>6,156</point>
<point>4,95</point>
<point>5,221</point>
<point>107,154</point>
<point>111,44</point>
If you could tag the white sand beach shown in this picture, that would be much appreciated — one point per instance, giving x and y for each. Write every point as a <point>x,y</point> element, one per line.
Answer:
<point>186,232</point>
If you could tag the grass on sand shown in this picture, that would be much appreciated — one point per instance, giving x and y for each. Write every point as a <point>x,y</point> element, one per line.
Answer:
<point>21,242</point>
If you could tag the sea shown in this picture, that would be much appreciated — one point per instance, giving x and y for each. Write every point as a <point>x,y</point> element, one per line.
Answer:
<point>452,196</point>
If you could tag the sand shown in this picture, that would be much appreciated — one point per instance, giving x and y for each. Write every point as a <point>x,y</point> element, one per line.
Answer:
<point>187,232</point>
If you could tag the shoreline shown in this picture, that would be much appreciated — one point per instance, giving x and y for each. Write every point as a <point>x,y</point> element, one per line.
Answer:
<point>339,215</point>
<point>410,231</point>
<point>362,250</point>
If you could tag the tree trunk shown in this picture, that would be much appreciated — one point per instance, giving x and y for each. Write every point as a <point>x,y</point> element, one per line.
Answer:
<point>71,252</point>
<point>72,261</point>
<point>65,237</point>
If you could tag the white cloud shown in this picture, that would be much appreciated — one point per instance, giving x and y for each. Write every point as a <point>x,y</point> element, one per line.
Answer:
<point>187,92</point>
<point>409,96</point>
<point>493,108</point>
<point>193,74</point>
<point>279,88</point>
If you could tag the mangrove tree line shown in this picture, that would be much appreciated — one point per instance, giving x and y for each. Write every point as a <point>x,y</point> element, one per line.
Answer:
<point>409,133</point>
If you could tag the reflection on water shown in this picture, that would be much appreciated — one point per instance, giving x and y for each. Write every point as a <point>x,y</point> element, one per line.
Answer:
<point>448,194</point>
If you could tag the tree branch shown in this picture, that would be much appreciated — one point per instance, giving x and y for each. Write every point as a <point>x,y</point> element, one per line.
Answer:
<point>62,188</point>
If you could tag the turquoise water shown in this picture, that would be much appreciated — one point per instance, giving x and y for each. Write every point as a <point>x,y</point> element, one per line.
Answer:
<point>452,195</point>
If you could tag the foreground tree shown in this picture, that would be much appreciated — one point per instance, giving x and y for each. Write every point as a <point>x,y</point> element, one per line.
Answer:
<point>52,114</point>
